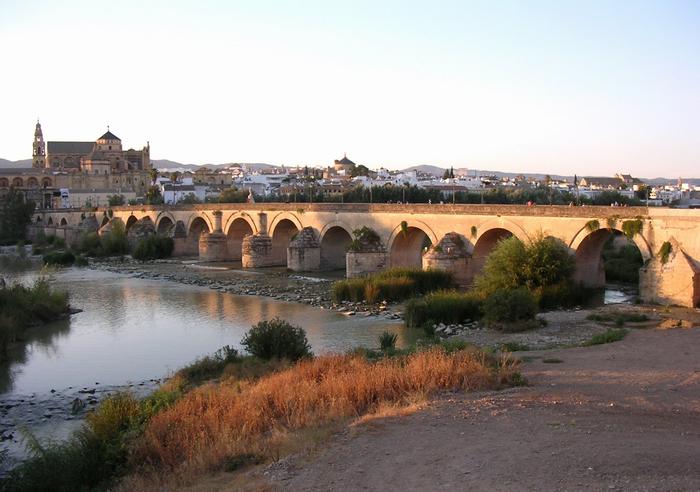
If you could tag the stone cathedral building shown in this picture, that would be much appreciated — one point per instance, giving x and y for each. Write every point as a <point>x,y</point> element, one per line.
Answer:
<point>87,172</point>
<point>103,156</point>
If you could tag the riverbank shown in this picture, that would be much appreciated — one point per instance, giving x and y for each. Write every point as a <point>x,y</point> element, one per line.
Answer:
<point>621,416</point>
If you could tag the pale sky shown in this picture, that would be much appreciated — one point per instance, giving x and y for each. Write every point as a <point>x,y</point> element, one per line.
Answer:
<point>561,87</point>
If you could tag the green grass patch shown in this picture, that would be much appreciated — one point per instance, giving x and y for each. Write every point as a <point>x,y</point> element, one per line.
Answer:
<point>395,284</point>
<point>609,336</point>
<point>447,307</point>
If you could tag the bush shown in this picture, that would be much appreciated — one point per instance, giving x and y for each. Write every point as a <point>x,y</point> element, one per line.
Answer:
<point>565,294</point>
<point>443,307</point>
<point>512,264</point>
<point>508,306</point>
<point>387,341</point>
<point>153,248</point>
<point>59,258</point>
<point>352,289</point>
<point>210,366</point>
<point>91,244</point>
<point>277,338</point>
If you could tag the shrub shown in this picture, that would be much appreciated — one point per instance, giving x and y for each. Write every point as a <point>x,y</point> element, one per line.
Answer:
<point>510,306</point>
<point>153,248</point>
<point>59,258</point>
<point>387,341</point>
<point>632,227</point>
<point>352,289</point>
<point>564,294</point>
<point>664,252</point>
<point>90,244</point>
<point>276,338</point>
<point>395,284</point>
<point>210,366</point>
<point>443,307</point>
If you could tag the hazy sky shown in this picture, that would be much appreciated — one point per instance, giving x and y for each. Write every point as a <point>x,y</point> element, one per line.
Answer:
<point>561,87</point>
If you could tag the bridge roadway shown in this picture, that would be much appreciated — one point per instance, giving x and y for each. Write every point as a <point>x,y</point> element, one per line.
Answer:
<point>410,235</point>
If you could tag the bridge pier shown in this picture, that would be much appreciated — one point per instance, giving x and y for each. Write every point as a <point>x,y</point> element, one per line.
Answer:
<point>450,254</point>
<point>673,280</point>
<point>213,245</point>
<point>256,251</point>
<point>304,252</point>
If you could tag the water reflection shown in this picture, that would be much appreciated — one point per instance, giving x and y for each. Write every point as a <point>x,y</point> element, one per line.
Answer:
<point>133,329</point>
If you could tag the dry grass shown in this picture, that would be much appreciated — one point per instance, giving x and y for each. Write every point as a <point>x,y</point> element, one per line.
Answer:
<point>214,423</point>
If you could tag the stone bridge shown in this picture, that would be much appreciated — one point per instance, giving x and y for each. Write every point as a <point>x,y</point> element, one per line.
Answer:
<point>309,237</point>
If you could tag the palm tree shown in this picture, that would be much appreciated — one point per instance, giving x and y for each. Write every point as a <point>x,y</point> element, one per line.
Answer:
<point>154,175</point>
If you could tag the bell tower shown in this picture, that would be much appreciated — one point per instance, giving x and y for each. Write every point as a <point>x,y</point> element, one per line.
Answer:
<point>38,148</point>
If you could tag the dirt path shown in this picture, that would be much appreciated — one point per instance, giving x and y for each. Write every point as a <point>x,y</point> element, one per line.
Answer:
<point>622,416</point>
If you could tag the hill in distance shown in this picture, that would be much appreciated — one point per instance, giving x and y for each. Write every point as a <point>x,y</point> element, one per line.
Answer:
<point>437,171</point>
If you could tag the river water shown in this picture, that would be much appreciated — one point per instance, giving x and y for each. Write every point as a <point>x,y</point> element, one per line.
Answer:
<point>133,332</point>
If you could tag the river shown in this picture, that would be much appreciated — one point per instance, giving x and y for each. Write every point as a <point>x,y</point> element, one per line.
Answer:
<point>132,332</point>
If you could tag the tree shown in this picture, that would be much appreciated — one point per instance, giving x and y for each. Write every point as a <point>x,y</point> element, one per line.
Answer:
<point>154,175</point>
<point>175,176</point>
<point>153,196</point>
<point>15,215</point>
<point>233,195</point>
<point>446,174</point>
<point>542,262</point>
<point>115,200</point>
<point>360,170</point>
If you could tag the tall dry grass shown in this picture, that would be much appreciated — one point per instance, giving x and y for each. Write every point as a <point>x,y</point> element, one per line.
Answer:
<point>213,423</point>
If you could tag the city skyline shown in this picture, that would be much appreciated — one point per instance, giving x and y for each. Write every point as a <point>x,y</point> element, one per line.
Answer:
<point>542,88</point>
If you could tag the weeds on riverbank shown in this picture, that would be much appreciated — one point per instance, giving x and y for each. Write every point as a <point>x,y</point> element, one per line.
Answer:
<point>216,422</point>
<point>395,284</point>
<point>21,307</point>
<point>443,307</point>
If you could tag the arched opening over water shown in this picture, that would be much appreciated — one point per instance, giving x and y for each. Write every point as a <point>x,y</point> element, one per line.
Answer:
<point>334,245</point>
<point>64,222</point>
<point>408,247</point>
<point>284,230</point>
<point>486,243</point>
<point>238,229</point>
<point>164,226</point>
<point>130,222</point>
<point>197,227</point>
<point>608,256</point>
<point>105,221</point>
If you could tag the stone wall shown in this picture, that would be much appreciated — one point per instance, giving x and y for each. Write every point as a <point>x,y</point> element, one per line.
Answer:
<point>304,252</point>
<point>360,264</point>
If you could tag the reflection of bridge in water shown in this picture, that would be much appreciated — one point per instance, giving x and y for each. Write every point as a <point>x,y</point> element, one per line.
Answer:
<point>307,237</point>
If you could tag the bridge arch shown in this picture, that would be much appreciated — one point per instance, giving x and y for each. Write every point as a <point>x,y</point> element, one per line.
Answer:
<point>17,182</point>
<point>282,232</point>
<point>335,238</point>
<point>236,229</point>
<point>408,241</point>
<point>32,182</point>
<point>50,221</point>
<point>164,222</point>
<point>130,222</point>
<point>292,217</point>
<point>164,225</point>
<point>484,245</point>
<point>638,239</point>
<point>590,264</point>
<point>64,222</point>
<point>197,217</point>
<point>197,226</point>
